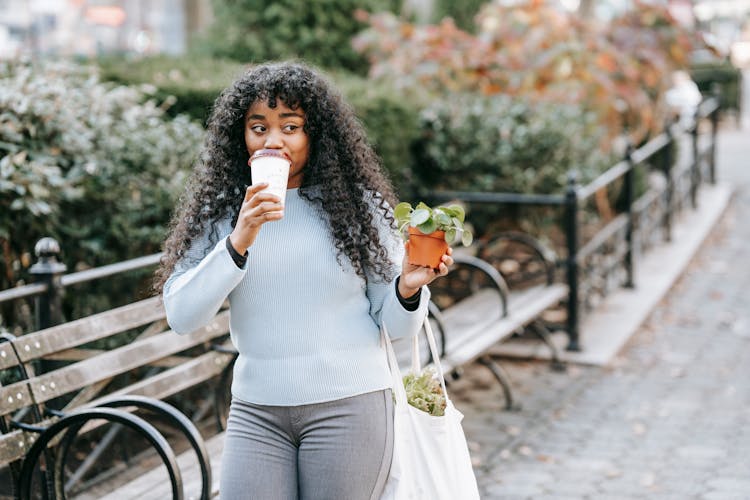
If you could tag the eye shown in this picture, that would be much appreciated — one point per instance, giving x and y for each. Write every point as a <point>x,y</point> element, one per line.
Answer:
<point>291,127</point>
<point>258,129</point>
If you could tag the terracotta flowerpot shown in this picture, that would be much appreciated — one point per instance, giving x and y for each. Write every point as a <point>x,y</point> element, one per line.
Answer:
<point>426,249</point>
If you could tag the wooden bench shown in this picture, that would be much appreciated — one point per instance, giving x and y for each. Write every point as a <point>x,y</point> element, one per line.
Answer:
<point>485,313</point>
<point>68,385</point>
<point>481,311</point>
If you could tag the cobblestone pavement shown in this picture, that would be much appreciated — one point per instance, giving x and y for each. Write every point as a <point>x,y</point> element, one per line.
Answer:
<point>668,419</point>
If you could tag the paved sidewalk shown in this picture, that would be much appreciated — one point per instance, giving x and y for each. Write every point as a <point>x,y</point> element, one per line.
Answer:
<point>668,419</point>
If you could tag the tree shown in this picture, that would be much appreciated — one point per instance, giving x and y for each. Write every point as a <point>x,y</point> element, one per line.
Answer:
<point>318,31</point>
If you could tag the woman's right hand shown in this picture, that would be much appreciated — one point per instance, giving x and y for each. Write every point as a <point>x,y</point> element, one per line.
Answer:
<point>257,209</point>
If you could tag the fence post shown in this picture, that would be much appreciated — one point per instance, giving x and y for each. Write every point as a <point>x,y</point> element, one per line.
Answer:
<point>48,270</point>
<point>716,93</point>
<point>667,163</point>
<point>571,236</point>
<point>695,165</point>
<point>629,194</point>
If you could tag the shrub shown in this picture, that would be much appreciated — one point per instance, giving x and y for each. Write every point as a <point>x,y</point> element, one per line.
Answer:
<point>96,166</point>
<point>185,85</point>
<point>463,13</point>
<point>319,31</point>
<point>391,119</point>
<point>618,71</point>
<point>504,144</point>
<point>191,84</point>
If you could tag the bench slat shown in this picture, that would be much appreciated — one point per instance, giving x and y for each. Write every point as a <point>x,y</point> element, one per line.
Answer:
<point>174,380</point>
<point>141,352</point>
<point>471,336</point>
<point>8,356</point>
<point>13,446</point>
<point>76,354</point>
<point>94,327</point>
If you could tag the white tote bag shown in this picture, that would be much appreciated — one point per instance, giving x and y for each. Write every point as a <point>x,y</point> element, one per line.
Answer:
<point>430,456</point>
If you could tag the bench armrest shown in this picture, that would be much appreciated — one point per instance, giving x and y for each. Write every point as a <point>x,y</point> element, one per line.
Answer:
<point>545,255</point>
<point>497,280</point>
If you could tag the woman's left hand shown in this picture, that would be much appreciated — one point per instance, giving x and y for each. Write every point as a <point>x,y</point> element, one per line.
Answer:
<point>414,277</point>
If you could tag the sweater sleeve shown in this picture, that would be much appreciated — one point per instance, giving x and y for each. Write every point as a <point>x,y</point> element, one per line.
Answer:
<point>200,283</point>
<point>385,306</point>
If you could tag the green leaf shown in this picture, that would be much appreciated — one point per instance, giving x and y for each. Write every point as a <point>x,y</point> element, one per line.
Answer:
<point>458,223</point>
<point>419,216</point>
<point>421,205</point>
<point>457,211</point>
<point>442,219</point>
<point>467,238</point>
<point>450,236</point>
<point>428,226</point>
<point>402,211</point>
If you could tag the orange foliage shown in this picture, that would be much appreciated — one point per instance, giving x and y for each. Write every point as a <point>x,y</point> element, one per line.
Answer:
<point>620,71</point>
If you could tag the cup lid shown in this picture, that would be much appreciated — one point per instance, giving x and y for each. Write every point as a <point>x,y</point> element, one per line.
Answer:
<point>269,152</point>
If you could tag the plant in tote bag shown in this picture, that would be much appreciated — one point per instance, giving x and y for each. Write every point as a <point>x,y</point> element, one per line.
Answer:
<point>423,392</point>
<point>430,456</point>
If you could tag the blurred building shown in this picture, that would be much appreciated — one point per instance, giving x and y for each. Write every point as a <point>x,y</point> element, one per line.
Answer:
<point>95,27</point>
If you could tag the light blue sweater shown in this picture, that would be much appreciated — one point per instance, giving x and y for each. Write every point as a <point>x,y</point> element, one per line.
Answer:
<point>305,326</point>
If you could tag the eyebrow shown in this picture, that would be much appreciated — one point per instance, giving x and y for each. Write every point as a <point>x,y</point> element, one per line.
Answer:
<point>282,115</point>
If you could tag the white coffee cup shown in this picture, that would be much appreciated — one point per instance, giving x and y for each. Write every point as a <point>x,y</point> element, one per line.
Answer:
<point>271,166</point>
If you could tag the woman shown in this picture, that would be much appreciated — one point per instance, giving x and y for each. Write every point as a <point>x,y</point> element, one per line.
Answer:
<point>309,284</point>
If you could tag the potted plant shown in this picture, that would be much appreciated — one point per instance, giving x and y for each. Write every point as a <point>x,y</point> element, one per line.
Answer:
<point>431,230</point>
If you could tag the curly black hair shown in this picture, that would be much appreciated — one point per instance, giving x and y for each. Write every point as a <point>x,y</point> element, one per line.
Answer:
<point>340,160</point>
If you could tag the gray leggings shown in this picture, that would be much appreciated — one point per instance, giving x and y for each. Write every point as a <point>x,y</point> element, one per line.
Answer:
<point>340,449</point>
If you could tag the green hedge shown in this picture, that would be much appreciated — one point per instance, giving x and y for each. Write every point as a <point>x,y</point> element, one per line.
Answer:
<point>97,166</point>
<point>462,13</point>
<point>186,85</point>
<point>391,119</point>
<point>506,144</point>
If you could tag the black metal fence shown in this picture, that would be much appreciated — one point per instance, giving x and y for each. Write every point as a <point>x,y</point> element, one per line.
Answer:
<point>608,258</point>
<point>592,269</point>
<point>51,281</point>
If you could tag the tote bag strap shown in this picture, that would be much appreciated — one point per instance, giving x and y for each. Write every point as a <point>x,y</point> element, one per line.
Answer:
<point>435,353</point>
<point>398,383</point>
<point>397,379</point>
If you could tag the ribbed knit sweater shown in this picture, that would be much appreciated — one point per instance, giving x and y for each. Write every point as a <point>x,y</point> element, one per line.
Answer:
<point>306,326</point>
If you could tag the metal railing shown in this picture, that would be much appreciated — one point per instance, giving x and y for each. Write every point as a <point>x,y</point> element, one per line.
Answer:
<point>51,280</point>
<point>609,257</point>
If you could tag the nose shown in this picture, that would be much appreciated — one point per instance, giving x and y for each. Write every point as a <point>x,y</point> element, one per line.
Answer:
<point>273,141</point>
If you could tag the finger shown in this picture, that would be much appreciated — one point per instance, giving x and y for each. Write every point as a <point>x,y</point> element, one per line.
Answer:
<point>254,218</point>
<point>269,216</point>
<point>266,207</point>
<point>264,197</point>
<point>450,251</point>
<point>447,260</point>
<point>254,188</point>
<point>443,269</point>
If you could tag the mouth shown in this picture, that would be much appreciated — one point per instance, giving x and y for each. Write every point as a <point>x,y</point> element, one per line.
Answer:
<point>269,152</point>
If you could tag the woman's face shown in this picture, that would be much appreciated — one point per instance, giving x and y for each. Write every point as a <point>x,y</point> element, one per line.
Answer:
<point>280,128</point>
